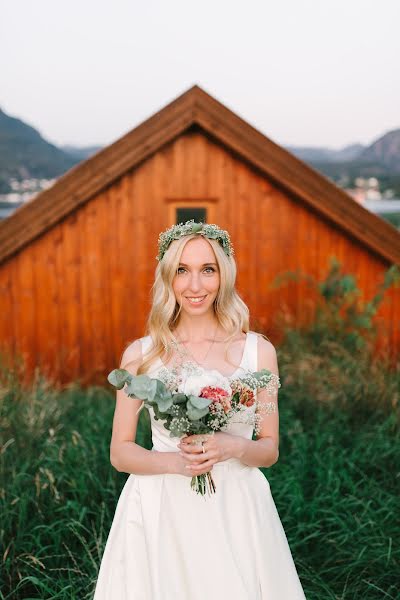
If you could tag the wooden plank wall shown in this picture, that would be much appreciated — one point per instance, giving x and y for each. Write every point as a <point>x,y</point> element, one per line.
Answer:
<point>74,298</point>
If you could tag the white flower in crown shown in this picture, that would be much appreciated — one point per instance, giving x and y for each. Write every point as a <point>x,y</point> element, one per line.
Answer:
<point>193,384</point>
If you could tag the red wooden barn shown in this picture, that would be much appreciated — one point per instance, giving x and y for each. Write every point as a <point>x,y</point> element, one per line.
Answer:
<point>77,262</point>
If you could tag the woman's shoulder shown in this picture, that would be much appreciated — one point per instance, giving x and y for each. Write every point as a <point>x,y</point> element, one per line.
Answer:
<point>263,343</point>
<point>266,353</point>
<point>135,350</point>
<point>133,353</point>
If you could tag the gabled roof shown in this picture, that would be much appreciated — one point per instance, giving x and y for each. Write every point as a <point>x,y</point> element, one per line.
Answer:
<point>197,108</point>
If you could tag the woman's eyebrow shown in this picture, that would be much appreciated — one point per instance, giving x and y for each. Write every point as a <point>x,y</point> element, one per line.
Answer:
<point>204,265</point>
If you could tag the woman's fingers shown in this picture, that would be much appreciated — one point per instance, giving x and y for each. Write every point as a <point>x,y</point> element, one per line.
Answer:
<point>192,448</point>
<point>196,439</point>
<point>203,467</point>
<point>196,458</point>
<point>205,461</point>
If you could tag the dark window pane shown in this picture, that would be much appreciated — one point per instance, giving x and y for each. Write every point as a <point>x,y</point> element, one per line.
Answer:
<point>185,214</point>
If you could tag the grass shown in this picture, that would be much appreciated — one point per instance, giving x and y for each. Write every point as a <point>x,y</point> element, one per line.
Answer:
<point>336,488</point>
<point>336,484</point>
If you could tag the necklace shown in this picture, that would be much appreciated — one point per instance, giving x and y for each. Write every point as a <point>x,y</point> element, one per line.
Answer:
<point>189,353</point>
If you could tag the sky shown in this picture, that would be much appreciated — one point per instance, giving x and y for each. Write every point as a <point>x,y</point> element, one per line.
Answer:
<point>303,72</point>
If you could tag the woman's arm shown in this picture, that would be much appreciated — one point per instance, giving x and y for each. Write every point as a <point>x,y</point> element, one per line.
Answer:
<point>125,455</point>
<point>264,451</point>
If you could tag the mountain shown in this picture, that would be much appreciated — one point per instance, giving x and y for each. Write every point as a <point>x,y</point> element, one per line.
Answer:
<point>383,155</point>
<point>385,151</point>
<point>25,154</point>
<point>81,153</point>
<point>381,159</point>
<point>315,154</point>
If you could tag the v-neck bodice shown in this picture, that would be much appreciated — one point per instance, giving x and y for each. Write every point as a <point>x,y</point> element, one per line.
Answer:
<point>243,362</point>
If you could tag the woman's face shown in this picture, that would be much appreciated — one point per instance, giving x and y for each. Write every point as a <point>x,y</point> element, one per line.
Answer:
<point>197,278</point>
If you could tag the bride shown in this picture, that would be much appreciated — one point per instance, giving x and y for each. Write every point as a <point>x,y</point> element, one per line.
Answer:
<point>166,542</point>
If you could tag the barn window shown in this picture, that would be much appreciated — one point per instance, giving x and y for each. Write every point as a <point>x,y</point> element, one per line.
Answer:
<point>198,214</point>
<point>180,210</point>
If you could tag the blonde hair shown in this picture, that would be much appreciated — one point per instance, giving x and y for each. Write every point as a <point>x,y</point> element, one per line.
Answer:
<point>230,310</point>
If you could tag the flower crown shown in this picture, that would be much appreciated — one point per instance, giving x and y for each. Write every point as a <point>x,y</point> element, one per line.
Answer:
<point>205,229</point>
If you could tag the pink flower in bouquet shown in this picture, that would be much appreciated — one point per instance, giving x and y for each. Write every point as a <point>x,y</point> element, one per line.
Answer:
<point>217,395</point>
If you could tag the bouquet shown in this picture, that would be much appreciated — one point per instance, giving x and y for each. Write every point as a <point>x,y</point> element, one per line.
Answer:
<point>199,401</point>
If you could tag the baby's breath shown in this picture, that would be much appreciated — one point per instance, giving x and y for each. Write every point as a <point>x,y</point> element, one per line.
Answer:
<point>269,382</point>
<point>170,378</point>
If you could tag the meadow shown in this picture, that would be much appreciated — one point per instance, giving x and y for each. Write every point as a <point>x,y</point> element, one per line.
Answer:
<point>336,484</point>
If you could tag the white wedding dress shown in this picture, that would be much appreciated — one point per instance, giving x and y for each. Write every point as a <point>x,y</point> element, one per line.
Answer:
<point>168,543</point>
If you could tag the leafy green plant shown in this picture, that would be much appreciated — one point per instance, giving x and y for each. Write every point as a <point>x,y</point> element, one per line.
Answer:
<point>331,360</point>
<point>341,315</point>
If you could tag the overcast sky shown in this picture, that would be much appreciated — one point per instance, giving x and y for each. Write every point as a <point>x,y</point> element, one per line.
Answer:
<point>304,72</point>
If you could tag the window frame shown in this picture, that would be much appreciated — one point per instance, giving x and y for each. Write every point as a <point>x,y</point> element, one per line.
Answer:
<point>208,203</point>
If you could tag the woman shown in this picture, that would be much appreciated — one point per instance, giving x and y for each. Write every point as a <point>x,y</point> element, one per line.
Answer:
<point>167,542</point>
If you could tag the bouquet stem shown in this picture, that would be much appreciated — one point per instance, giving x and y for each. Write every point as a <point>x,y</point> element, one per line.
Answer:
<point>203,483</point>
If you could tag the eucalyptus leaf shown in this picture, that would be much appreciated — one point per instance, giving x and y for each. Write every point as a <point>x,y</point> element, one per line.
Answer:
<point>198,402</point>
<point>153,391</point>
<point>161,391</point>
<point>194,413</point>
<point>118,378</point>
<point>158,415</point>
<point>164,404</point>
<point>179,398</point>
<point>141,386</point>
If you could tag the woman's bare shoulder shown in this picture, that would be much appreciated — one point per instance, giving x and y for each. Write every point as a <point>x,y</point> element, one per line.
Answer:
<point>267,357</point>
<point>264,344</point>
<point>132,355</point>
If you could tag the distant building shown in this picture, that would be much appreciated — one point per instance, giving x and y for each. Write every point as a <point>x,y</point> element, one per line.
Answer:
<point>22,191</point>
<point>366,188</point>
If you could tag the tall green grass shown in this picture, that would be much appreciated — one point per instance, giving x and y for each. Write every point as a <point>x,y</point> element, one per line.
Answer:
<point>336,484</point>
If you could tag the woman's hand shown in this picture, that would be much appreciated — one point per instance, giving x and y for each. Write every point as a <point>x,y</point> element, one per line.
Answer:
<point>218,447</point>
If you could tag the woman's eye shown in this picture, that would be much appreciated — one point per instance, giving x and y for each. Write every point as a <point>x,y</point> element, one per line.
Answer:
<point>207,269</point>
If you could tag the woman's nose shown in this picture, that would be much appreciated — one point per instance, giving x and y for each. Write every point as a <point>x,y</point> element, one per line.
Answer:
<point>194,283</point>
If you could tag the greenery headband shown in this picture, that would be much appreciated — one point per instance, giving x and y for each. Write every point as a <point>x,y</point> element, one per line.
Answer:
<point>213,232</point>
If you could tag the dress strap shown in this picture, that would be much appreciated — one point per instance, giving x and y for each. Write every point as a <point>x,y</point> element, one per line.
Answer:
<point>146,342</point>
<point>250,352</point>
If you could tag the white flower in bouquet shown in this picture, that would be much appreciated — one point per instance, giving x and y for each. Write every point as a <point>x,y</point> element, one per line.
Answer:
<point>193,384</point>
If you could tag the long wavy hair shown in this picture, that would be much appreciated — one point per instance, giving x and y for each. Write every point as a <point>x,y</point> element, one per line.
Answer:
<point>231,312</point>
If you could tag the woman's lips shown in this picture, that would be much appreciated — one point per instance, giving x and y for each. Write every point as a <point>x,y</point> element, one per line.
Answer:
<point>195,302</point>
